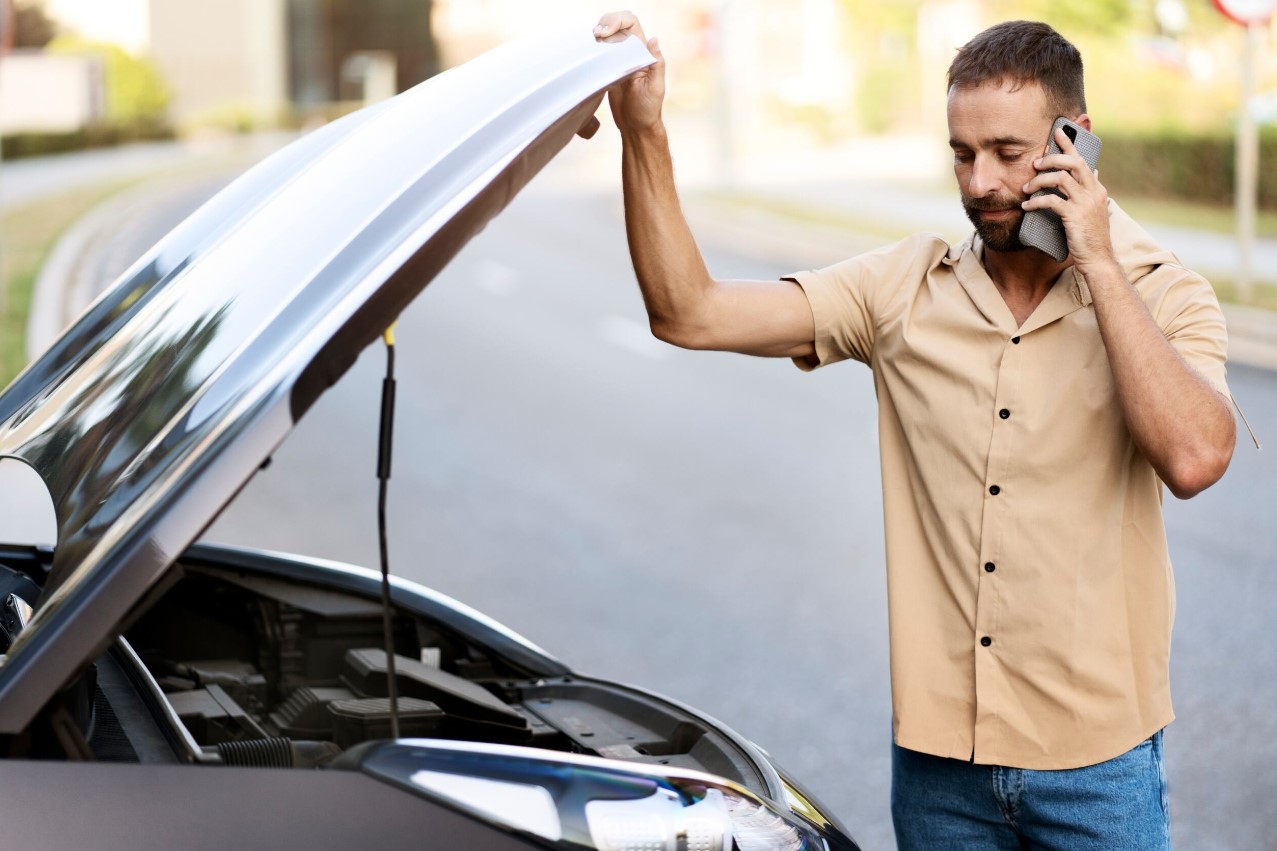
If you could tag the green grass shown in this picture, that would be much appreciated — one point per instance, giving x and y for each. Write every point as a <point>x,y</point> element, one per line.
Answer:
<point>27,235</point>
<point>1262,295</point>
<point>1201,216</point>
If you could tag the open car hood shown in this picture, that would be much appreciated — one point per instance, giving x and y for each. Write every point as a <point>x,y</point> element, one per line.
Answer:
<point>148,414</point>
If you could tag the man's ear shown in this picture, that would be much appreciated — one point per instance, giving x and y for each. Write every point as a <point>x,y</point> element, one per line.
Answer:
<point>1083,121</point>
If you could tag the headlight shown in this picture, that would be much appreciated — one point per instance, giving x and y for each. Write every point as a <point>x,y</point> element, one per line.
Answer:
<point>719,821</point>
<point>576,801</point>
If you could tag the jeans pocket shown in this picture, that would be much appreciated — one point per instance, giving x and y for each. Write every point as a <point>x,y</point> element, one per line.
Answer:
<point>1158,759</point>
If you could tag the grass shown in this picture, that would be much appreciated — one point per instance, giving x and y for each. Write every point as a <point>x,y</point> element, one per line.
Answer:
<point>1262,295</point>
<point>1201,216</point>
<point>27,235</point>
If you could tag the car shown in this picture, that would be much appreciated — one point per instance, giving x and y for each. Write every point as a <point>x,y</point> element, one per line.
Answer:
<point>159,691</point>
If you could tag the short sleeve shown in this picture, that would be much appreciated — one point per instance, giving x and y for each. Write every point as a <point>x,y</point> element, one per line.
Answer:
<point>848,297</point>
<point>1190,317</point>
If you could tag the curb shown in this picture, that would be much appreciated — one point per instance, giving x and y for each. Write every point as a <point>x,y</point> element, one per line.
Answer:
<point>87,259</point>
<point>59,285</point>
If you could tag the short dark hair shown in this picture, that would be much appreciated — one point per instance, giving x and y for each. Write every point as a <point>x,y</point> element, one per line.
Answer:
<point>1022,52</point>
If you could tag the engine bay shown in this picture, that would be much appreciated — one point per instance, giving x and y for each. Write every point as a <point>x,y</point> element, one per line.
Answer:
<point>259,670</point>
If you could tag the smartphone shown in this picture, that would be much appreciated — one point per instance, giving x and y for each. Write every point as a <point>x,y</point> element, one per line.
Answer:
<point>1043,229</point>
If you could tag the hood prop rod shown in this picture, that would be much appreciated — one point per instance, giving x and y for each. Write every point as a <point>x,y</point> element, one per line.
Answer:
<point>386,434</point>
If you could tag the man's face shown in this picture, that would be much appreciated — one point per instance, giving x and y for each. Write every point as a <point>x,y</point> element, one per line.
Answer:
<point>996,134</point>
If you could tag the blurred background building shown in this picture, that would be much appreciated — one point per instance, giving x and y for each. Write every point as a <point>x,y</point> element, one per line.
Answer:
<point>786,55</point>
<point>743,74</point>
<point>50,93</point>
<point>831,67</point>
<point>222,60</point>
<point>237,64</point>
<point>267,61</point>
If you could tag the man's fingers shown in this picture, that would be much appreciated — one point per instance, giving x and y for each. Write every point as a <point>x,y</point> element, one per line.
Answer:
<point>1061,180</point>
<point>1062,139</point>
<point>1070,163</point>
<point>1067,160</point>
<point>617,25</point>
<point>1046,201</point>
<point>612,21</point>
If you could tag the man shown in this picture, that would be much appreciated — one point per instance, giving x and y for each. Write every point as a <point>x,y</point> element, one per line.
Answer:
<point>1029,411</point>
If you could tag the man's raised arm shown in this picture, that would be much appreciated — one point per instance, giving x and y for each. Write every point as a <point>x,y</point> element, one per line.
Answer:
<point>685,305</point>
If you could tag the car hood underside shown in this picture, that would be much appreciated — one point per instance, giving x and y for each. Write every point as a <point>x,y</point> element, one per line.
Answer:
<point>155,408</point>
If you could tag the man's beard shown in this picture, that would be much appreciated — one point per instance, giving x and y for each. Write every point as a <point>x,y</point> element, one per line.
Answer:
<point>1003,235</point>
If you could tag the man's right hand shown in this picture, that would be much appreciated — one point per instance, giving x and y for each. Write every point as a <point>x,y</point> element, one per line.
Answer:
<point>636,100</point>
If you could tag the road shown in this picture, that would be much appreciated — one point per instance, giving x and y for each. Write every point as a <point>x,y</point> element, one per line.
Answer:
<point>709,526</point>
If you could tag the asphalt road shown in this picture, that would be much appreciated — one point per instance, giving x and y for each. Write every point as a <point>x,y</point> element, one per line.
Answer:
<point>709,525</point>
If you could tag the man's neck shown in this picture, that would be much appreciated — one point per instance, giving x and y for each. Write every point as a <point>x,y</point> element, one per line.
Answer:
<point>1023,278</point>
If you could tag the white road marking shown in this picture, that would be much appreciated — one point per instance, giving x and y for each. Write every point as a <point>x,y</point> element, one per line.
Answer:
<point>495,277</point>
<point>633,336</point>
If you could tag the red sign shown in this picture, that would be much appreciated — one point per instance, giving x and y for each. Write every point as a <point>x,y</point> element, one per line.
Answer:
<point>1246,12</point>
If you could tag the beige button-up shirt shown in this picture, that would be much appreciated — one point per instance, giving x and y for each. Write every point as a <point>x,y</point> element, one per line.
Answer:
<point>1029,587</point>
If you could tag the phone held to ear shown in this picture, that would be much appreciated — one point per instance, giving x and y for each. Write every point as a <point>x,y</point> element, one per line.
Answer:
<point>1042,229</point>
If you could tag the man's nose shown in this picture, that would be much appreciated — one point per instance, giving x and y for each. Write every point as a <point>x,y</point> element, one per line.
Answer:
<point>985,177</point>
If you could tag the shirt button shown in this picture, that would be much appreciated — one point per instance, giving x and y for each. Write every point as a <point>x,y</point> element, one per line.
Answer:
<point>1015,340</point>
<point>1004,413</point>
<point>989,567</point>
<point>995,490</point>
<point>986,641</point>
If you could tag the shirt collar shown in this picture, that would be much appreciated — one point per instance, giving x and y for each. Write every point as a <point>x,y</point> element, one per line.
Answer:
<point>1135,249</point>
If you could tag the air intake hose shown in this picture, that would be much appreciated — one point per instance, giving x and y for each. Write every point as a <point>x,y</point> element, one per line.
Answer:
<point>277,753</point>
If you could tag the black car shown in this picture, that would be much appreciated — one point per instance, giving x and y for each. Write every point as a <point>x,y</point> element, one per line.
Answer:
<point>159,692</point>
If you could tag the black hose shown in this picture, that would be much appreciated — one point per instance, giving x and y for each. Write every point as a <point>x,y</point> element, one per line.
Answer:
<point>383,475</point>
<point>277,752</point>
<point>257,753</point>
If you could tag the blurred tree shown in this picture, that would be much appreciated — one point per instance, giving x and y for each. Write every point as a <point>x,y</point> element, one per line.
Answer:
<point>1107,17</point>
<point>884,39</point>
<point>135,92</point>
<point>875,16</point>
<point>1146,70</point>
<point>32,26</point>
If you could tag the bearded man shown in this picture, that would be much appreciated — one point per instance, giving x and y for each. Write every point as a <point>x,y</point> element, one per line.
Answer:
<point>1030,411</point>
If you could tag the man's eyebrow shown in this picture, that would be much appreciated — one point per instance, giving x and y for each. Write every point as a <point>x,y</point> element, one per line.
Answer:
<point>996,142</point>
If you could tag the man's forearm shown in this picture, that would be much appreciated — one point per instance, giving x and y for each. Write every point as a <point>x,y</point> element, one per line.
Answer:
<point>1180,423</point>
<point>671,272</point>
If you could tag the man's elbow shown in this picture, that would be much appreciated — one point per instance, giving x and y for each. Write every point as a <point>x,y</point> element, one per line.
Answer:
<point>1198,470</point>
<point>680,334</point>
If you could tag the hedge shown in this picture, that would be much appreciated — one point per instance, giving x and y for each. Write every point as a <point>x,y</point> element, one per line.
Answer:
<point>21,145</point>
<point>1187,168</point>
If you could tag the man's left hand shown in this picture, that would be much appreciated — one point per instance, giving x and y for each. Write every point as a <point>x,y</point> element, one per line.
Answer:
<point>1084,207</point>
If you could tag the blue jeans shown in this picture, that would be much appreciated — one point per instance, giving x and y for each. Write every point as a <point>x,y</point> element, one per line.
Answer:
<point>939,803</point>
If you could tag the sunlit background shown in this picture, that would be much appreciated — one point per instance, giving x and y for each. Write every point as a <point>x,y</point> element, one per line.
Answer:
<point>703,525</point>
<point>811,85</point>
<point>809,72</point>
